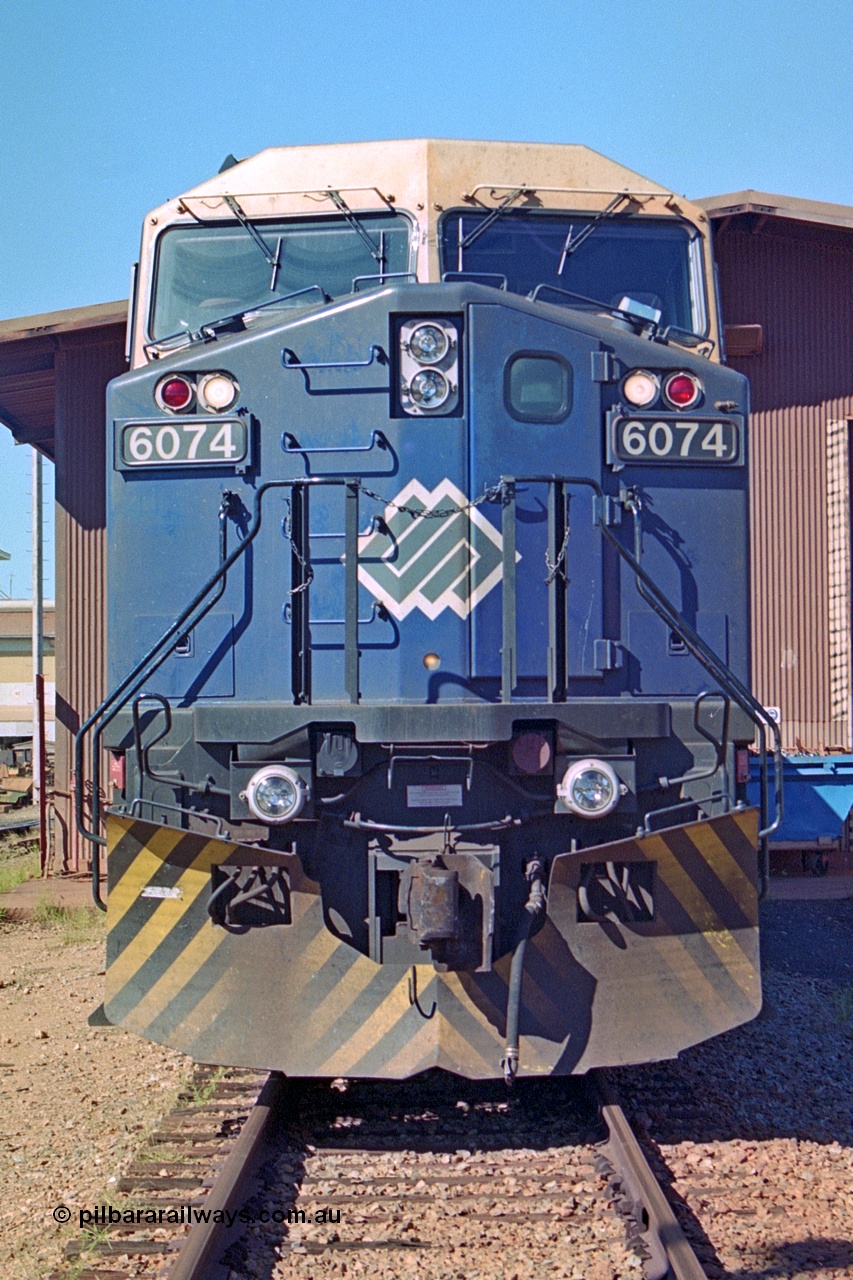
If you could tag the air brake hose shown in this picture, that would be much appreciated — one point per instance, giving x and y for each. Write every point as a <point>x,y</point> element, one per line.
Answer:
<point>533,907</point>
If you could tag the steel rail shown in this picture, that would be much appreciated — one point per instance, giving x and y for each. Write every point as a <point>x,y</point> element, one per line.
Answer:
<point>195,1260</point>
<point>671,1255</point>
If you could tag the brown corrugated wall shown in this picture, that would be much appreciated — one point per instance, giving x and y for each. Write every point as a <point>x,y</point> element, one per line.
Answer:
<point>83,367</point>
<point>796,281</point>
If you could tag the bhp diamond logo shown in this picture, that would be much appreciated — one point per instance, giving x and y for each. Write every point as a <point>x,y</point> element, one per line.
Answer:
<point>447,562</point>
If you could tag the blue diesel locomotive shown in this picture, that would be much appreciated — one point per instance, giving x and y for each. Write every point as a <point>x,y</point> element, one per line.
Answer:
<point>428,622</point>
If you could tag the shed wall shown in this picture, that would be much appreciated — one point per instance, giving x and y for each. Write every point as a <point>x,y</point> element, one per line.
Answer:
<point>83,367</point>
<point>796,281</point>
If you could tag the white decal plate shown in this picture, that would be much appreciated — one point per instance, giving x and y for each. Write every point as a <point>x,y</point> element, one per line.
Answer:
<point>438,795</point>
<point>160,891</point>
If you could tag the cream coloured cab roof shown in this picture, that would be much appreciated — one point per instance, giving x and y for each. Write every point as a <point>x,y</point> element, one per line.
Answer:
<point>420,176</point>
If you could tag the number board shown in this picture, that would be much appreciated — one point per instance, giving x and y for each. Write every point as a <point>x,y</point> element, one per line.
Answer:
<point>665,439</point>
<point>182,442</point>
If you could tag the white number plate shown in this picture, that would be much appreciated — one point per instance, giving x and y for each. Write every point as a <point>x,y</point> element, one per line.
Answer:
<point>184,443</point>
<point>675,439</point>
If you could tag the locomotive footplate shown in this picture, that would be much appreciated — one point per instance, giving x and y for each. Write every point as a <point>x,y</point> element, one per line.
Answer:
<point>226,952</point>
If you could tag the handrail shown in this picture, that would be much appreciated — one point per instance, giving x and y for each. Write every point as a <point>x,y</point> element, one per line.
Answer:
<point>198,607</point>
<point>290,360</point>
<point>713,664</point>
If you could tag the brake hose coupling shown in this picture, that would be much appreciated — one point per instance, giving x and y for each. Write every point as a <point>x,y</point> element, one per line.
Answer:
<point>534,873</point>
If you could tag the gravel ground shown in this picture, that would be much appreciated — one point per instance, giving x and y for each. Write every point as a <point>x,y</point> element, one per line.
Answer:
<point>76,1101</point>
<point>754,1130</point>
<point>809,939</point>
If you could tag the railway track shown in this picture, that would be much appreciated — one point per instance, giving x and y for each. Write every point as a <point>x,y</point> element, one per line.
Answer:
<point>436,1177</point>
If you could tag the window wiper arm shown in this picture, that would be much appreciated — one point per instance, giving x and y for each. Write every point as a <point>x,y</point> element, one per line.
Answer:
<point>488,220</point>
<point>572,246</point>
<point>273,258</point>
<point>377,251</point>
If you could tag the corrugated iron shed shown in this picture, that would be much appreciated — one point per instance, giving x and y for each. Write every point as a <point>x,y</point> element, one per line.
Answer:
<point>786,275</point>
<point>54,369</point>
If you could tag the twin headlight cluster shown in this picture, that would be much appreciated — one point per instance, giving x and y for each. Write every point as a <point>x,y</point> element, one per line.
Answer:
<point>429,367</point>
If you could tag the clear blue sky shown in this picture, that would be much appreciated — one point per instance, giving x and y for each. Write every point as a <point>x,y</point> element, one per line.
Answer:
<point>111,106</point>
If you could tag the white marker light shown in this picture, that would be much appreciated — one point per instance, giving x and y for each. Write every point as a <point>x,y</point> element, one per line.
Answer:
<point>217,391</point>
<point>641,388</point>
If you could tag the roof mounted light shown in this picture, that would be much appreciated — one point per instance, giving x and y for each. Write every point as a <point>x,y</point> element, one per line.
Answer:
<point>275,794</point>
<point>590,788</point>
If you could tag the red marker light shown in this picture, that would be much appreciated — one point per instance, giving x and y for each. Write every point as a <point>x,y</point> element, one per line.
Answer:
<point>174,393</point>
<point>682,390</point>
<point>531,752</point>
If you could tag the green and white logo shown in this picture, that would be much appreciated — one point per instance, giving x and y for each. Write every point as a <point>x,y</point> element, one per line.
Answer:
<point>431,563</point>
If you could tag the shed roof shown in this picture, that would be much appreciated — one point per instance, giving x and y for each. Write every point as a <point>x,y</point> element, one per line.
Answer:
<point>28,349</point>
<point>767,203</point>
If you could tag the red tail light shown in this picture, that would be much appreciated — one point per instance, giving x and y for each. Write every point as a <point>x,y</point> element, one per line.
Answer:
<point>682,390</point>
<point>175,393</point>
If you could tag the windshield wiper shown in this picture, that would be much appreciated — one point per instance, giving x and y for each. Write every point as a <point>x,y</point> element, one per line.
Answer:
<point>637,313</point>
<point>377,251</point>
<point>233,323</point>
<point>273,258</point>
<point>487,222</point>
<point>236,322</point>
<point>572,246</point>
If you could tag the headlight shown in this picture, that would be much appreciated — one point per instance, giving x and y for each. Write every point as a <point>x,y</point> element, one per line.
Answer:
<point>275,794</point>
<point>434,343</point>
<point>641,388</point>
<point>429,389</point>
<point>590,788</point>
<point>217,391</point>
<point>428,344</point>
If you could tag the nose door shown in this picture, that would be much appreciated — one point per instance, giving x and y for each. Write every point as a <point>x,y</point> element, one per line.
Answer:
<point>535,412</point>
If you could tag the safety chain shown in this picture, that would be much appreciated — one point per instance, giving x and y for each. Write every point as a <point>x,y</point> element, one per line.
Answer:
<point>492,493</point>
<point>557,568</point>
<point>304,565</point>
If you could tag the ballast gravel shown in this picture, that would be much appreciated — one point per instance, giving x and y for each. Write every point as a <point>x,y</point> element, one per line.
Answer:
<point>75,1101</point>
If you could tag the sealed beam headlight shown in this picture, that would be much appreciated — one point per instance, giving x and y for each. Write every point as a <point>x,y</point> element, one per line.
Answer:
<point>217,391</point>
<point>275,794</point>
<point>590,788</point>
<point>429,389</point>
<point>428,344</point>
<point>641,388</point>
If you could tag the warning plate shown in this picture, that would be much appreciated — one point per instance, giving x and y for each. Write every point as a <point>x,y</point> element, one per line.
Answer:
<point>437,795</point>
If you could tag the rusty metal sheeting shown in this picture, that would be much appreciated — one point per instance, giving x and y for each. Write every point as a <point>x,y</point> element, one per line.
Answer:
<point>795,279</point>
<point>83,368</point>
<point>663,957</point>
